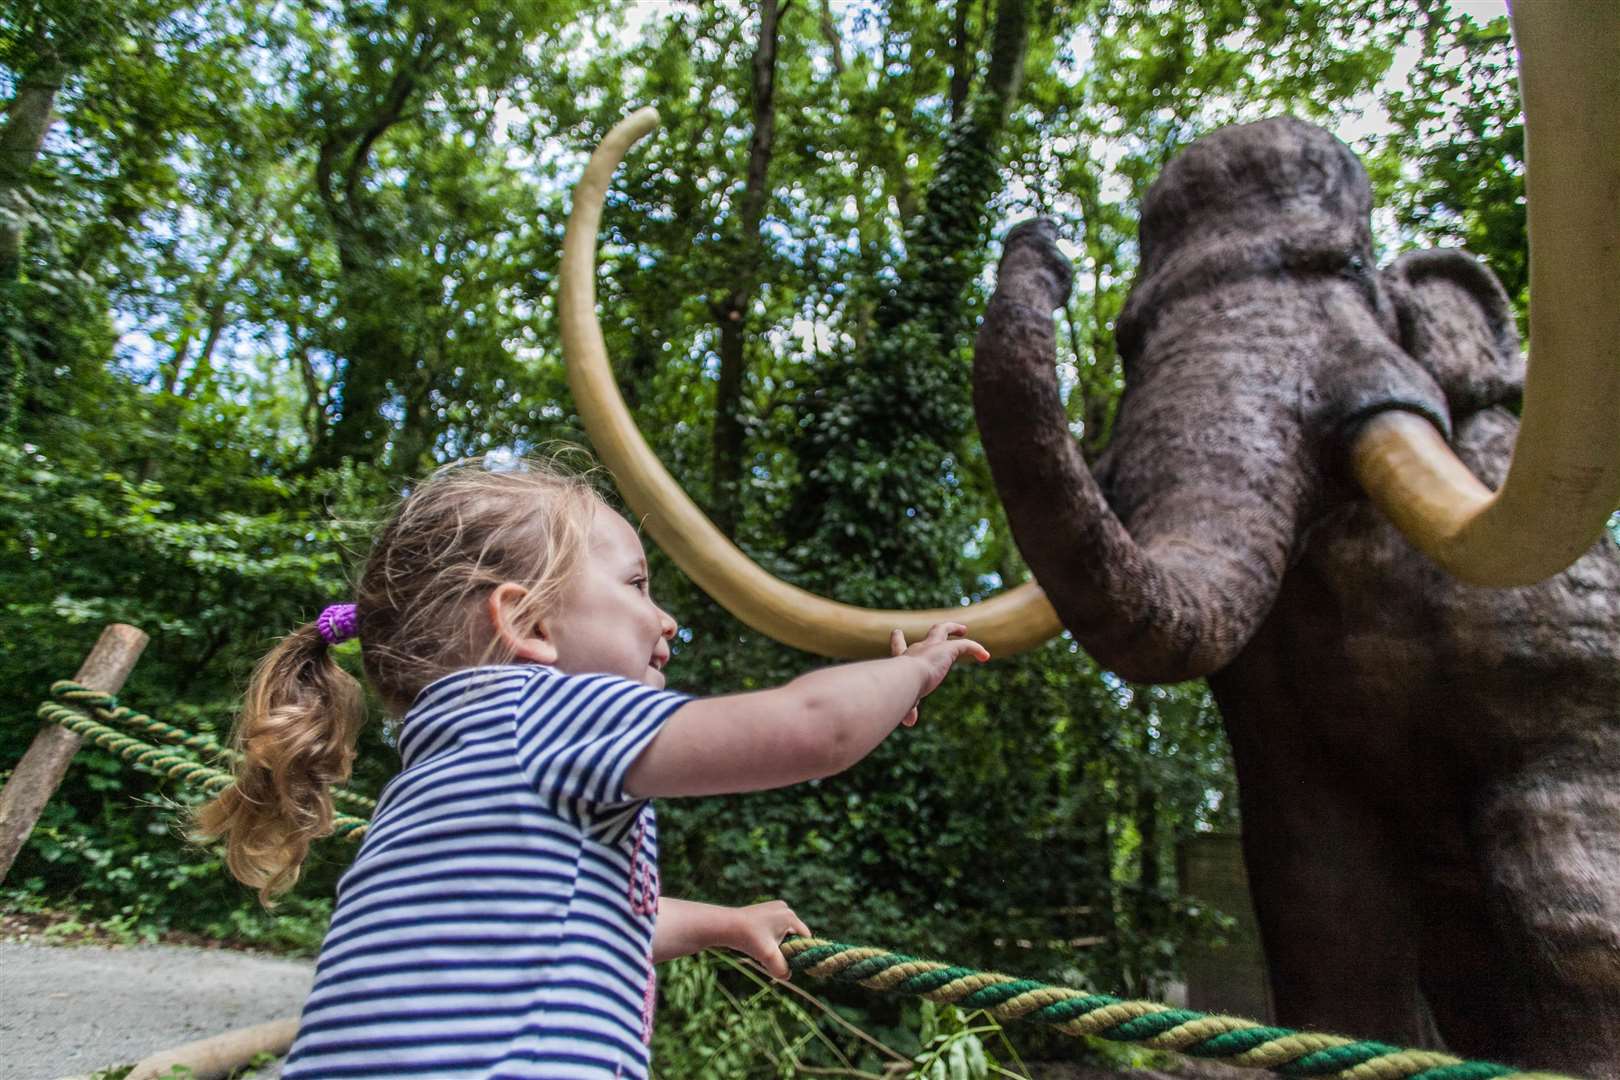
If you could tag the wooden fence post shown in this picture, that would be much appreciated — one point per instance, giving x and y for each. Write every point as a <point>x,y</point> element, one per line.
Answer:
<point>39,772</point>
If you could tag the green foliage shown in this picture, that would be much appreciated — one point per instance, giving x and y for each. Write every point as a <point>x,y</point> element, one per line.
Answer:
<point>427,224</point>
<point>852,508</point>
<point>714,1021</point>
<point>83,548</point>
<point>952,1048</point>
<point>721,1018</point>
<point>1453,165</point>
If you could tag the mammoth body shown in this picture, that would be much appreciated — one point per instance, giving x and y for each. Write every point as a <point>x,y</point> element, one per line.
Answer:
<point>1429,771</point>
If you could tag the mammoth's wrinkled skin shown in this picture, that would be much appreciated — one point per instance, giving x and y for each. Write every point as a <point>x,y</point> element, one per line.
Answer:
<point>1430,772</point>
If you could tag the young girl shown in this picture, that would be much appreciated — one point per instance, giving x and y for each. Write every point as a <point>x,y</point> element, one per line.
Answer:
<point>503,913</point>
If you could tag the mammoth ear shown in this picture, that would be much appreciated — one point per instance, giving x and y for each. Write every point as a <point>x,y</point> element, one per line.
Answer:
<point>1455,320</point>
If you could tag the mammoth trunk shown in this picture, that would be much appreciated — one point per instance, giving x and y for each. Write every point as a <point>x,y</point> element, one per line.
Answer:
<point>1170,586</point>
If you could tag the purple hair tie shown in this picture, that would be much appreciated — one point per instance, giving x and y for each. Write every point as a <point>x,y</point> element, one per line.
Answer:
<point>338,623</point>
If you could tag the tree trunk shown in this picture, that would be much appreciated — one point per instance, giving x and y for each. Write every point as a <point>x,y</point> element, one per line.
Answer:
<point>732,312</point>
<point>314,393</point>
<point>177,360</point>
<point>374,344</point>
<point>954,220</point>
<point>28,118</point>
<point>202,372</point>
<point>829,31</point>
<point>961,59</point>
<point>861,307</point>
<point>210,296</point>
<point>1007,51</point>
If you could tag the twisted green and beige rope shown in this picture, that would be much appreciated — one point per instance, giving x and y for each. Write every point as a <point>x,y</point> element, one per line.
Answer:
<point>106,707</point>
<point>165,763</point>
<point>1227,1039</point>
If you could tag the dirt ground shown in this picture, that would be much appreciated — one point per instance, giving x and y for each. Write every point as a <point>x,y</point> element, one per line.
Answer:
<point>74,1009</point>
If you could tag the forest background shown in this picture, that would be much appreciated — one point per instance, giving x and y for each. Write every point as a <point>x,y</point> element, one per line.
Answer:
<point>264,261</point>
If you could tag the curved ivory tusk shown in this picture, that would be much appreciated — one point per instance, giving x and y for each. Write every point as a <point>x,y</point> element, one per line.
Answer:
<point>1565,478</point>
<point>1012,622</point>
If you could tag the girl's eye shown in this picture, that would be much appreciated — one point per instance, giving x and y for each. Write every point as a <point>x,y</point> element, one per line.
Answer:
<point>639,583</point>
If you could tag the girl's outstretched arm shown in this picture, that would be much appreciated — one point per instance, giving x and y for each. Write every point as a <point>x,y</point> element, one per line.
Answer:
<point>817,725</point>
<point>685,927</point>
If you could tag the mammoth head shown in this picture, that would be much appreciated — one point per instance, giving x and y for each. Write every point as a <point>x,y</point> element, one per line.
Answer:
<point>1256,337</point>
<point>1280,183</point>
<point>1262,353</point>
<point>1257,257</point>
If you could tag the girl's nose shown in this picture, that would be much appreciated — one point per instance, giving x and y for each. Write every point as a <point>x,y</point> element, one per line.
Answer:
<point>666,623</point>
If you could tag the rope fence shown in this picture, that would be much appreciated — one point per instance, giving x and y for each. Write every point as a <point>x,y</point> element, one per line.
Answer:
<point>73,710</point>
<point>1230,1040</point>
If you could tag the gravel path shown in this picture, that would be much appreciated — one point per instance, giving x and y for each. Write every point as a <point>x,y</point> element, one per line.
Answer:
<point>71,1010</point>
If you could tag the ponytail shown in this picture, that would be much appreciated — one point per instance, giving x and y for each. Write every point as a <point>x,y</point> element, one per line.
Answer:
<point>300,719</point>
<point>464,531</point>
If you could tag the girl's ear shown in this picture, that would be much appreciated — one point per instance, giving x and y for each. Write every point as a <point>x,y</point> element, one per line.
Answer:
<point>522,635</point>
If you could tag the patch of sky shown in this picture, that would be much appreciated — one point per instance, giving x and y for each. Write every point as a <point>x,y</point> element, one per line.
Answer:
<point>816,336</point>
<point>1068,374</point>
<point>973,547</point>
<point>500,458</point>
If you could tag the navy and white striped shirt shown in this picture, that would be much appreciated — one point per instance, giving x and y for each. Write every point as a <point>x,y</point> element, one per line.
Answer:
<point>498,919</point>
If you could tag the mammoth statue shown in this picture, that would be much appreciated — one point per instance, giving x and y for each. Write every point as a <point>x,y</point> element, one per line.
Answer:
<point>1429,770</point>
<point>1320,497</point>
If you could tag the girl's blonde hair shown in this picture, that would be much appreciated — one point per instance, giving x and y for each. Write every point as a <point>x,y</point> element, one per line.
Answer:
<point>420,607</point>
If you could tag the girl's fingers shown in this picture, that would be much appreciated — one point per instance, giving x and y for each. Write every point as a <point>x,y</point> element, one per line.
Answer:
<point>897,642</point>
<point>966,647</point>
<point>770,957</point>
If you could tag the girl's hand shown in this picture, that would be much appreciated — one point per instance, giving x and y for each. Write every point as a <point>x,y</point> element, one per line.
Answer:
<point>945,644</point>
<point>817,725</point>
<point>758,931</point>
